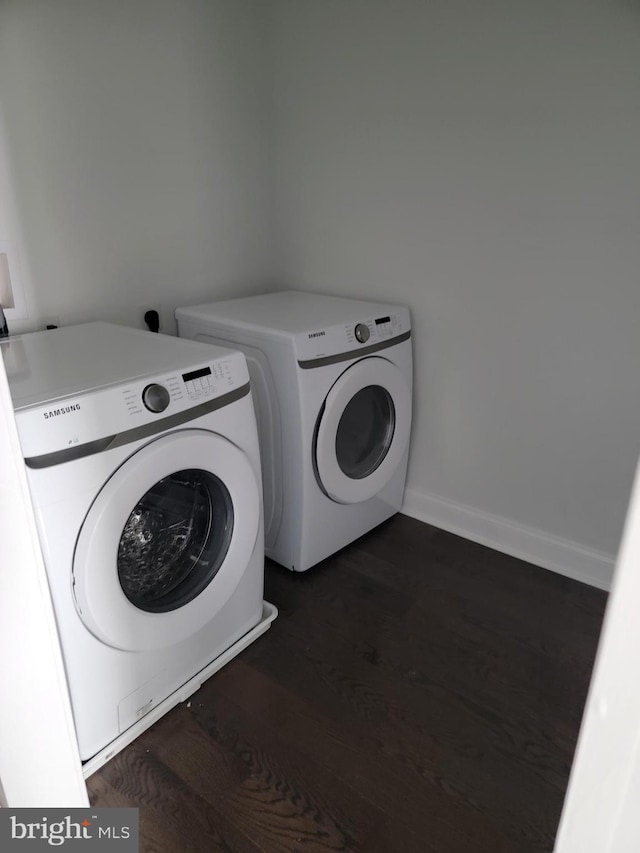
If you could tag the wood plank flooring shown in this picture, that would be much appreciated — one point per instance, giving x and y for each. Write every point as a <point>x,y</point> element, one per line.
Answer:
<point>417,692</point>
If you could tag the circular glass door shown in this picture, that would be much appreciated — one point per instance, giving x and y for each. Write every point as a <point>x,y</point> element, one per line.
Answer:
<point>362,431</point>
<point>166,541</point>
<point>365,431</point>
<point>175,540</point>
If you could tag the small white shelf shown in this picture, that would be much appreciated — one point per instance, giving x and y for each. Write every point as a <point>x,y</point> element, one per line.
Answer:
<point>269,613</point>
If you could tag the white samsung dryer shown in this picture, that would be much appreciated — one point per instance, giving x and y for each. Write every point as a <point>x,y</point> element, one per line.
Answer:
<point>142,458</point>
<point>332,385</point>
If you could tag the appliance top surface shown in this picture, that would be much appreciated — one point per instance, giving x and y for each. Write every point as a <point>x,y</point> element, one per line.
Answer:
<point>52,364</point>
<point>291,312</point>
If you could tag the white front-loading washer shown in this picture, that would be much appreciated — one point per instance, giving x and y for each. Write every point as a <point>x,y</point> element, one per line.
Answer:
<point>143,464</point>
<point>332,385</point>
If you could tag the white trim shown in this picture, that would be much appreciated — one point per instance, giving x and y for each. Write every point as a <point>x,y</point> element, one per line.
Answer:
<point>39,758</point>
<point>526,543</point>
<point>600,813</point>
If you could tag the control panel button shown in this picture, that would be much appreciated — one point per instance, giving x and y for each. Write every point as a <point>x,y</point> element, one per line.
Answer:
<point>155,397</point>
<point>362,333</point>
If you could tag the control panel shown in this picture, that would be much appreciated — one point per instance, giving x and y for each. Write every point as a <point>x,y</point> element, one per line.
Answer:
<point>113,409</point>
<point>192,387</point>
<point>374,330</point>
<point>360,333</point>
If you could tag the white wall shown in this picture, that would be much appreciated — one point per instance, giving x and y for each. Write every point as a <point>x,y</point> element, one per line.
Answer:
<point>479,162</point>
<point>475,161</point>
<point>133,172</point>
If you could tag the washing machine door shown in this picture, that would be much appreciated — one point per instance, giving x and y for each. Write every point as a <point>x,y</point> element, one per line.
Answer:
<point>166,541</point>
<point>362,431</point>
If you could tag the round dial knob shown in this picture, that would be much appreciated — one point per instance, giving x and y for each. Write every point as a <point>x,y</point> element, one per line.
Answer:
<point>362,333</point>
<point>155,397</point>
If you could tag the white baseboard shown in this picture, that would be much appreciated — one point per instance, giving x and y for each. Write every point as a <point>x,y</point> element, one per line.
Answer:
<point>550,552</point>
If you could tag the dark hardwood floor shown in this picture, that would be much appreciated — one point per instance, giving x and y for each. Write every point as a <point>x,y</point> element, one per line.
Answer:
<point>417,692</point>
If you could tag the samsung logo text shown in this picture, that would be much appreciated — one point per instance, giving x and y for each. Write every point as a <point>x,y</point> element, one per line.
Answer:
<point>63,410</point>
